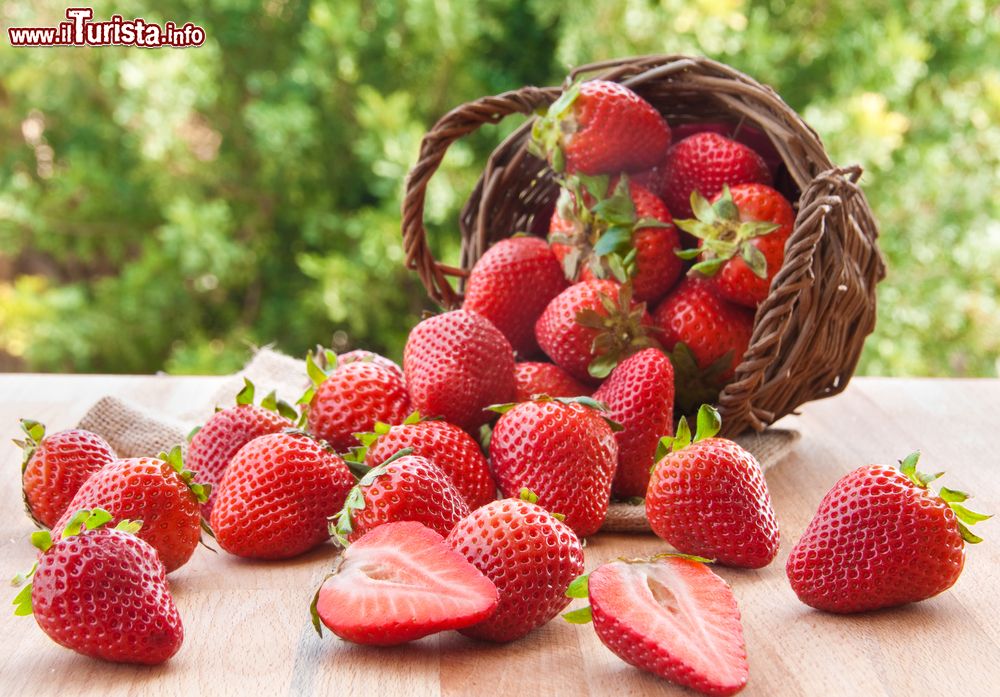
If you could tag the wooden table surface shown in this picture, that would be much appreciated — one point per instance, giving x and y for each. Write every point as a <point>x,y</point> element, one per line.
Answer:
<point>247,623</point>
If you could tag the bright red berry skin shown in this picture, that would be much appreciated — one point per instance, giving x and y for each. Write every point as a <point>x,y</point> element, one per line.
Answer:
<point>103,593</point>
<point>456,365</point>
<point>611,129</point>
<point>447,446</point>
<point>752,137</point>
<point>674,618</point>
<point>566,454</point>
<point>225,432</point>
<point>409,488</point>
<point>708,325</point>
<point>352,398</point>
<point>57,468</point>
<point>150,490</point>
<point>362,356</point>
<point>639,395</point>
<point>567,342</point>
<point>705,162</point>
<point>511,285</point>
<point>735,281</point>
<point>546,379</point>
<point>710,499</point>
<point>529,555</point>
<point>276,496</point>
<point>876,541</point>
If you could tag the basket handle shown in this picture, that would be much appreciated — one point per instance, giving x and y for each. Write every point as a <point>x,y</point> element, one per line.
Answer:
<point>457,123</point>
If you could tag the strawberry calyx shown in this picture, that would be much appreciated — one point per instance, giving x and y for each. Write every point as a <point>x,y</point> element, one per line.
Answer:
<point>723,235</point>
<point>319,364</point>
<point>954,498</point>
<point>367,439</point>
<point>175,459</point>
<point>341,525</point>
<point>552,127</point>
<point>620,331</point>
<point>529,496</point>
<point>708,423</point>
<point>270,401</point>
<point>694,385</point>
<point>34,432</point>
<point>89,519</point>
<point>584,400</point>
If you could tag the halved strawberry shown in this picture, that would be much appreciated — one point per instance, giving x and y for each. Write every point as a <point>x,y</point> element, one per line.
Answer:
<point>401,582</point>
<point>670,616</point>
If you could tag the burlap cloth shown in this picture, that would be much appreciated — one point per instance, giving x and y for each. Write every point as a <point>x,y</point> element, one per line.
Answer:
<point>135,429</point>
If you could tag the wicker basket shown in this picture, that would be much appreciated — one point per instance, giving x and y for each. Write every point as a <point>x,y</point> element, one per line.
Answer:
<point>808,332</point>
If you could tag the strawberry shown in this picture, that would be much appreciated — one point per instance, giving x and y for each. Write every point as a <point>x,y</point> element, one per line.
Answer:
<point>705,162</point>
<point>742,236</point>
<point>446,445</point>
<point>752,137</point>
<point>545,379</point>
<point>159,491</point>
<point>347,399</point>
<point>102,592</point>
<point>882,538</point>
<point>600,127</point>
<point>456,365</point>
<point>639,395</point>
<point>511,284</point>
<point>404,487</point>
<point>618,229</point>
<point>360,355</point>
<point>670,616</point>
<point>708,497</point>
<point>54,467</point>
<point>591,326</point>
<point>213,445</point>
<point>529,555</point>
<point>706,336</point>
<point>563,451</point>
<point>401,582</point>
<point>276,496</point>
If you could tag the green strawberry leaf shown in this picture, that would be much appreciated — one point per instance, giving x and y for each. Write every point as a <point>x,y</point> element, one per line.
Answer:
<point>578,587</point>
<point>22,602</point>
<point>528,495</point>
<point>314,612</point>
<point>755,260</point>
<point>245,396</point>
<point>582,616</point>
<point>688,254</point>
<point>42,539</point>
<point>709,422</point>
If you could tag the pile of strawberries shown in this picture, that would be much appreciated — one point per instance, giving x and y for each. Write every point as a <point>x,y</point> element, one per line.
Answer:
<point>460,485</point>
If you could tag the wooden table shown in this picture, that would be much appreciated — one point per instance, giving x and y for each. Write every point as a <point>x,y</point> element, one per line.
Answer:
<point>247,625</point>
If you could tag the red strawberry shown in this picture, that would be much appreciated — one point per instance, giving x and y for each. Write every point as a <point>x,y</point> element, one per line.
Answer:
<point>456,365</point>
<point>226,431</point>
<point>705,162</point>
<point>752,137</point>
<point>881,538</point>
<point>360,355</point>
<point>56,466</point>
<point>591,326</point>
<point>276,496</point>
<point>562,451</point>
<point>545,379</point>
<point>446,445</point>
<point>348,399</point>
<point>670,616</point>
<point>401,582</point>
<point>156,490</point>
<point>639,395</point>
<point>529,555</point>
<point>404,487</point>
<point>742,236</point>
<point>102,592</point>
<point>600,127</point>
<point>510,286</point>
<point>619,230</point>
<point>708,497</point>
<point>707,337</point>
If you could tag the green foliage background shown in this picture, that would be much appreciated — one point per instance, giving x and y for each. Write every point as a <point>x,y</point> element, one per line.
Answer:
<point>167,209</point>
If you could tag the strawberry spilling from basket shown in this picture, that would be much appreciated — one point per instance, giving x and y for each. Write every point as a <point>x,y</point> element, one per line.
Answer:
<point>646,283</point>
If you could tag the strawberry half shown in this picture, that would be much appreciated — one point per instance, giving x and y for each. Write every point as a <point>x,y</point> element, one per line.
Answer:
<point>56,466</point>
<point>600,127</point>
<point>882,538</point>
<point>670,616</point>
<point>401,582</point>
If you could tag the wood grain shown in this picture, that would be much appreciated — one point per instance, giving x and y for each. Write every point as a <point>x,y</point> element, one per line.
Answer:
<point>247,626</point>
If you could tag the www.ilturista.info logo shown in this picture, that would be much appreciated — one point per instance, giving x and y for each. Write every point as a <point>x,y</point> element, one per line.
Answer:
<point>80,30</point>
